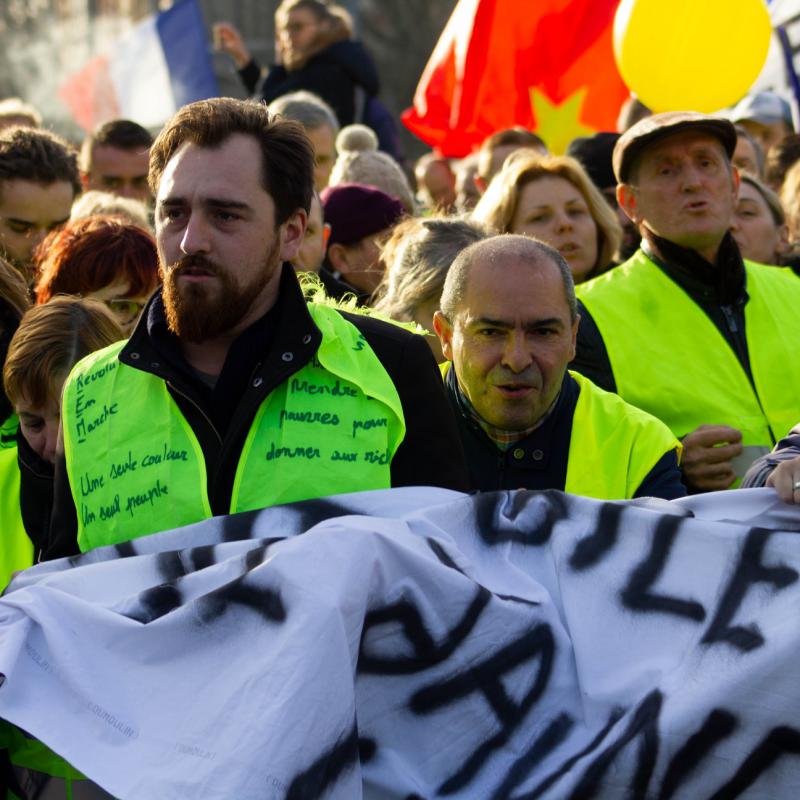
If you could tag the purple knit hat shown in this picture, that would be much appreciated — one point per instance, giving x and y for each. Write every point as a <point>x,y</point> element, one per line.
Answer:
<point>355,210</point>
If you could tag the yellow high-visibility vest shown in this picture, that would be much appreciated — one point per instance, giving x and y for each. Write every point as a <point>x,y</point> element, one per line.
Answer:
<point>669,359</point>
<point>613,445</point>
<point>16,548</point>
<point>135,466</point>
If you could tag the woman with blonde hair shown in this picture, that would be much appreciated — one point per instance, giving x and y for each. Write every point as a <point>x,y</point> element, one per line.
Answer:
<point>790,198</point>
<point>417,256</point>
<point>759,223</point>
<point>551,198</point>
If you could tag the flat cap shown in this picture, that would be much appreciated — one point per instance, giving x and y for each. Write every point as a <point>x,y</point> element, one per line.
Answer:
<point>651,129</point>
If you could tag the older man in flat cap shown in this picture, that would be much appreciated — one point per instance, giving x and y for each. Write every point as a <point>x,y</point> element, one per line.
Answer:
<point>685,329</point>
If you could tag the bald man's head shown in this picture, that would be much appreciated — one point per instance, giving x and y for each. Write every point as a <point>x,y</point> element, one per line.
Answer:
<point>497,251</point>
<point>508,323</point>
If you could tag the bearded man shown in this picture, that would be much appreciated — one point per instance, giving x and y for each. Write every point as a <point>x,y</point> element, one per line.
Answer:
<point>233,394</point>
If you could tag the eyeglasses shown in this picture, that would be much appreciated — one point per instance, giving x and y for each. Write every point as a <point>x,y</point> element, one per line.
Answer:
<point>126,311</point>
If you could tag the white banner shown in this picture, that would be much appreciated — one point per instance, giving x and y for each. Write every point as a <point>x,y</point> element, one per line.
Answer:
<point>418,643</point>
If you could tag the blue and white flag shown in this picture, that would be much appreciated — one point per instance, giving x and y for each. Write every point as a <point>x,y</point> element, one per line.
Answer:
<point>159,65</point>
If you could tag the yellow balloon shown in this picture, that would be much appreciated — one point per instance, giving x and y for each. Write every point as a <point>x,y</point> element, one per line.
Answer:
<point>698,55</point>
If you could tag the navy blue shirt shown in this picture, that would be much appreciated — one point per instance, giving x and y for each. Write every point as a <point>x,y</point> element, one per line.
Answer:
<point>540,460</point>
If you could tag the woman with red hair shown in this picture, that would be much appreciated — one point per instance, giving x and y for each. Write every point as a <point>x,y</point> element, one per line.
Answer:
<point>104,258</point>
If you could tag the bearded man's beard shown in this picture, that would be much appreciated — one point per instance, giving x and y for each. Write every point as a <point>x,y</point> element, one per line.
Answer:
<point>204,310</point>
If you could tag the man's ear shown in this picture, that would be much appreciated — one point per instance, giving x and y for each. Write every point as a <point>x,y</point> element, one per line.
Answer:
<point>737,179</point>
<point>575,334</point>
<point>626,197</point>
<point>291,234</point>
<point>784,245</point>
<point>337,258</point>
<point>444,330</point>
<point>85,181</point>
<point>480,183</point>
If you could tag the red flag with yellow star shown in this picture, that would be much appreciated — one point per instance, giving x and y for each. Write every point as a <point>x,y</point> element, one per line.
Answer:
<point>545,64</point>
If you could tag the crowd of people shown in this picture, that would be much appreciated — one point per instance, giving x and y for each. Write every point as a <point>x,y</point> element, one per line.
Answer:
<point>249,308</point>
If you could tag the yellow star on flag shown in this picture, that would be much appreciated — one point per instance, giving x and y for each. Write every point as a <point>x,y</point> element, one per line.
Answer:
<point>558,123</point>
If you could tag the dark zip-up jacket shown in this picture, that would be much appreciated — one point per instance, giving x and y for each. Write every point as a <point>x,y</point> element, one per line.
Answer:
<point>334,74</point>
<point>539,461</point>
<point>264,356</point>
<point>35,495</point>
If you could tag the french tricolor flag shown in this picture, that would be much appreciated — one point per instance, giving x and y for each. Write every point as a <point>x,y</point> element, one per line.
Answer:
<point>161,64</point>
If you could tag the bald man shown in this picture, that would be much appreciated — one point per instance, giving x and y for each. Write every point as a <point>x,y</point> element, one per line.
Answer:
<point>507,325</point>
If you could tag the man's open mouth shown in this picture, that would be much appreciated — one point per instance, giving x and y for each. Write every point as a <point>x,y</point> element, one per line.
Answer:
<point>195,271</point>
<point>514,389</point>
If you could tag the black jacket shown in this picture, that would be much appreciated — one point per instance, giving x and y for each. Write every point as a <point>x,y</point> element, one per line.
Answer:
<point>35,495</point>
<point>338,289</point>
<point>334,74</point>
<point>540,460</point>
<point>263,357</point>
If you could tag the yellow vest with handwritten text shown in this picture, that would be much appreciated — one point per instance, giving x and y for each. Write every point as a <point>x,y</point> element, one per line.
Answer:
<point>135,466</point>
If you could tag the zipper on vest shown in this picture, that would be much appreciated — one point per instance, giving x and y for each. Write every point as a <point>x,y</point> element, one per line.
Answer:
<point>202,413</point>
<point>764,414</point>
<point>766,420</point>
<point>730,318</point>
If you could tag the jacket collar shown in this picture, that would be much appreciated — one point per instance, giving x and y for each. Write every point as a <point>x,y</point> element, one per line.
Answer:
<point>723,282</point>
<point>539,439</point>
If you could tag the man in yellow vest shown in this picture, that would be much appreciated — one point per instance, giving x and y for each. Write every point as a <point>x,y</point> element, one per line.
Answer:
<point>233,394</point>
<point>507,325</point>
<point>685,329</point>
